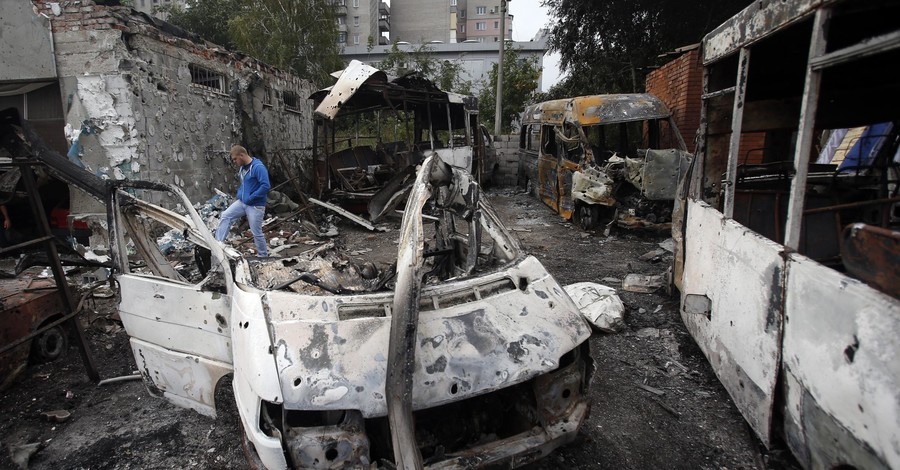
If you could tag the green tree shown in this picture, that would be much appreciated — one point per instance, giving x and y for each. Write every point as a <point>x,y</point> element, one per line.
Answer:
<point>520,80</point>
<point>446,74</point>
<point>609,46</point>
<point>207,18</point>
<point>300,35</point>
<point>296,35</point>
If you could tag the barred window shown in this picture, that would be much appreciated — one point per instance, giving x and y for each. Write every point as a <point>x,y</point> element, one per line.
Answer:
<point>207,78</point>
<point>291,103</point>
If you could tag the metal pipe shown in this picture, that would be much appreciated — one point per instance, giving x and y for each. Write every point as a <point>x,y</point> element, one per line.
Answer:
<point>123,378</point>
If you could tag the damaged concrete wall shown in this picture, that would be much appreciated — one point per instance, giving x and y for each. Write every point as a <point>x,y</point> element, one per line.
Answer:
<point>147,101</point>
<point>507,147</point>
<point>26,51</point>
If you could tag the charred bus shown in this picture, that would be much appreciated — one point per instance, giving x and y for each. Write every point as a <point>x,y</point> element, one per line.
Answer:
<point>786,226</point>
<point>372,130</point>
<point>612,159</point>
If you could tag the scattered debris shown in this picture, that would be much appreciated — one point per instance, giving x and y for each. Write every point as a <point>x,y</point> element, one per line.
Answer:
<point>668,245</point>
<point>653,255</point>
<point>56,416</point>
<point>353,217</point>
<point>20,454</point>
<point>666,407</point>
<point>123,378</point>
<point>650,389</point>
<point>648,333</point>
<point>599,304</point>
<point>643,283</point>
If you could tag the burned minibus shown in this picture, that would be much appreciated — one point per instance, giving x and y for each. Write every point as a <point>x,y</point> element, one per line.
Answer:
<point>371,131</point>
<point>463,353</point>
<point>610,159</point>
<point>787,226</point>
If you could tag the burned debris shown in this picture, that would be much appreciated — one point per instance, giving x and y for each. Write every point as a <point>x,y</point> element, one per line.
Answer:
<point>371,131</point>
<point>786,227</point>
<point>603,159</point>
<point>333,324</point>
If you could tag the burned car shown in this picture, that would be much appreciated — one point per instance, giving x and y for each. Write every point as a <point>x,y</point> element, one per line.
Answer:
<point>612,159</point>
<point>463,353</point>
<point>371,130</point>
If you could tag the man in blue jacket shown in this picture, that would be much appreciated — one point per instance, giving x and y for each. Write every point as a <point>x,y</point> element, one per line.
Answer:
<point>251,199</point>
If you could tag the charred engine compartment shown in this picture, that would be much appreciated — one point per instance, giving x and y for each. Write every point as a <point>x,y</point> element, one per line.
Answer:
<point>448,436</point>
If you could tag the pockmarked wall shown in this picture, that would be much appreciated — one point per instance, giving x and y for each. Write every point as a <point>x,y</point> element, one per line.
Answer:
<point>145,100</point>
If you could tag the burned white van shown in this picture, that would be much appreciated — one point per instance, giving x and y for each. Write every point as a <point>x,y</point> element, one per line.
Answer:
<point>787,252</point>
<point>464,353</point>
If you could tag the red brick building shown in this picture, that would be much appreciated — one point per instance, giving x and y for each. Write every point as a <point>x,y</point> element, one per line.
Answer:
<point>679,84</point>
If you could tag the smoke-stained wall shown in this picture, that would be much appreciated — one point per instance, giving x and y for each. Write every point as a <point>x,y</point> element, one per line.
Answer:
<point>145,100</point>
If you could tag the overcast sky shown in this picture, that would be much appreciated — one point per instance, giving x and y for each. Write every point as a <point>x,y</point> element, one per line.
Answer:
<point>528,17</point>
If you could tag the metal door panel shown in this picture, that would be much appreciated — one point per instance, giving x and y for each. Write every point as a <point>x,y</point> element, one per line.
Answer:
<point>732,306</point>
<point>840,339</point>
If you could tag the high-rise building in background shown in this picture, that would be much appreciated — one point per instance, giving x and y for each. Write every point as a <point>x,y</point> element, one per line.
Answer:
<point>479,20</point>
<point>463,31</point>
<point>151,7</point>
<point>362,22</point>
<point>447,21</point>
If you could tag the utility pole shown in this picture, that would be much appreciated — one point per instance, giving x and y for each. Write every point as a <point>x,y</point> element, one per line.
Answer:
<point>498,113</point>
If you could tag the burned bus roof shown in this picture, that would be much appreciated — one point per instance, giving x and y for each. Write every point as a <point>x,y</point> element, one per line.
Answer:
<point>361,87</point>
<point>598,109</point>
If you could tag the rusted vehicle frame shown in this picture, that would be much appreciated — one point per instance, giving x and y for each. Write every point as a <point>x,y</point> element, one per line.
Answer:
<point>27,304</point>
<point>574,165</point>
<point>354,166</point>
<point>783,263</point>
<point>325,379</point>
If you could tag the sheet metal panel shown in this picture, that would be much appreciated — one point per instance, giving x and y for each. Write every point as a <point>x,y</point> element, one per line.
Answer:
<point>462,350</point>
<point>741,273</point>
<point>350,81</point>
<point>184,379</point>
<point>174,316</point>
<point>752,24</point>
<point>840,346</point>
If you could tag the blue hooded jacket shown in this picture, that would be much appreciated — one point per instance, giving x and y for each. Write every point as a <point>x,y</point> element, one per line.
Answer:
<point>254,183</point>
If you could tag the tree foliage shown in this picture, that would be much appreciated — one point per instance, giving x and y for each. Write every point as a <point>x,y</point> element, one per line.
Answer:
<point>300,35</point>
<point>609,46</point>
<point>208,18</point>
<point>520,81</point>
<point>446,74</point>
<point>296,35</point>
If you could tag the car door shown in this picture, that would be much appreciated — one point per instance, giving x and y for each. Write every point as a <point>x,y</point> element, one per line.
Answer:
<point>179,328</point>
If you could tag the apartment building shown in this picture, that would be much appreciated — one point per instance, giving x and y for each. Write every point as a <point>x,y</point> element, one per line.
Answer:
<point>362,22</point>
<point>447,21</point>
<point>479,20</point>
<point>151,7</point>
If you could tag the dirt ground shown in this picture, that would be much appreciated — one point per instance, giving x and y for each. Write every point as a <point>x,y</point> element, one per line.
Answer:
<point>655,400</point>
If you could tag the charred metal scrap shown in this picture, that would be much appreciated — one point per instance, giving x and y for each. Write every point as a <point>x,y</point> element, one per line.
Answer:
<point>603,158</point>
<point>371,132</point>
<point>338,363</point>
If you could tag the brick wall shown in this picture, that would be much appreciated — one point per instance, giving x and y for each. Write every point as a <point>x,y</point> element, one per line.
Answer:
<point>679,85</point>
